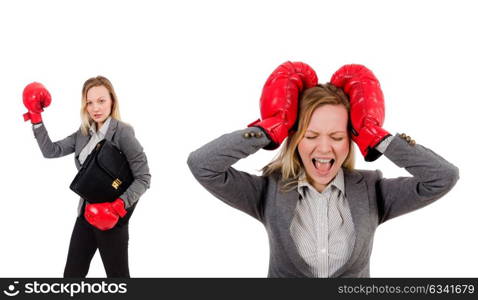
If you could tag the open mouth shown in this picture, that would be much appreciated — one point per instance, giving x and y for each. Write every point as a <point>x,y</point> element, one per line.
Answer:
<point>323,165</point>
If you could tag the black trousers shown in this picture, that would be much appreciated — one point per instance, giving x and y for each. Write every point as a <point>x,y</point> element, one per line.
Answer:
<point>112,245</point>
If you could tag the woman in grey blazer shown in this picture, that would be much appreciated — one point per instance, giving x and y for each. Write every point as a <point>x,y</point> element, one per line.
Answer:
<point>102,226</point>
<point>319,212</point>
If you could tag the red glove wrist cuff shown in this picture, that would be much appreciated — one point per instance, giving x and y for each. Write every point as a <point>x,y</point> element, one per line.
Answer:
<point>118,206</point>
<point>34,118</point>
<point>276,130</point>
<point>367,139</point>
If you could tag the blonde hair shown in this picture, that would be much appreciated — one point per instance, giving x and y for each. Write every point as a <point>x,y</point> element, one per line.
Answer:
<point>288,163</point>
<point>86,120</point>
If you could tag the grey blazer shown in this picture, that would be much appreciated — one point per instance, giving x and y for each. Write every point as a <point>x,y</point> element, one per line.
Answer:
<point>121,135</point>
<point>372,199</point>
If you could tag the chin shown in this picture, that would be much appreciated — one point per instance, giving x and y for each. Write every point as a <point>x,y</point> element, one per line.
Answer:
<point>321,179</point>
<point>324,180</point>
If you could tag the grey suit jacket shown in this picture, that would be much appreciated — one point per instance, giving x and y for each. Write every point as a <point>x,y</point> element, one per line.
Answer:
<point>372,199</point>
<point>122,136</point>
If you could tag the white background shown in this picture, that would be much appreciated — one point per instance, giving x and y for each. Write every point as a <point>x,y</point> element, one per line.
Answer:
<point>188,71</point>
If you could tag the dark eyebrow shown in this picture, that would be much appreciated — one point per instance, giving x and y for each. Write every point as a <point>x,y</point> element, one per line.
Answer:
<point>99,98</point>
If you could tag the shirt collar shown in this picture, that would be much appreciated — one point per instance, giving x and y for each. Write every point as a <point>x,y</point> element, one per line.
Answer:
<point>103,128</point>
<point>337,182</point>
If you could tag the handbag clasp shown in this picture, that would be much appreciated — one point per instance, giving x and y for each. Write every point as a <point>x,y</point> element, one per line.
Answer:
<point>116,183</point>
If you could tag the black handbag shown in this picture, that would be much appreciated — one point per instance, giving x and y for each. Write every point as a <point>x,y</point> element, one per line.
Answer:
<point>104,176</point>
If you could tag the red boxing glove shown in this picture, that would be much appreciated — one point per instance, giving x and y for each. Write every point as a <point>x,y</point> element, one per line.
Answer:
<point>280,98</point>
<point>105,215</point>
<point>35,98</point>
<point>367,108</point>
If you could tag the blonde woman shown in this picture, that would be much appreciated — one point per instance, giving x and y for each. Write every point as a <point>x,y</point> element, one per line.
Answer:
<point>102,226</point>
<point>319,212</point>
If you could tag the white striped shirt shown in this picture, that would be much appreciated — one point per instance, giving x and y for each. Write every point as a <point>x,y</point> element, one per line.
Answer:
<point>322,227</point>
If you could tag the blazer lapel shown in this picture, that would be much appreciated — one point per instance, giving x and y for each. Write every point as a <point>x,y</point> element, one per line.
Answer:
<point>81,143</point>
<point>357,197</point>
<point>287,203</point>
<point>111,129</point>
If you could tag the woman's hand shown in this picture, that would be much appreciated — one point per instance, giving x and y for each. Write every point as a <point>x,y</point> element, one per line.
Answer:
<point>105,215</point>
<point>367,108</point>
<point>279,100</point>
<point>35,98</point>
